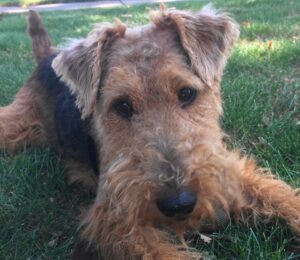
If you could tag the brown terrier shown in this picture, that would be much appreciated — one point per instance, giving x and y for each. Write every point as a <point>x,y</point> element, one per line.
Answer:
<point>141,107</point>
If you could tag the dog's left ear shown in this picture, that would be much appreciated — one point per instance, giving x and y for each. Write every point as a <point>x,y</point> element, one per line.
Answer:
<point>81,65</point>
<point>206,36</point>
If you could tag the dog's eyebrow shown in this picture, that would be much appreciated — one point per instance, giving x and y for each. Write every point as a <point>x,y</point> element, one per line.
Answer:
<point>181,78</point>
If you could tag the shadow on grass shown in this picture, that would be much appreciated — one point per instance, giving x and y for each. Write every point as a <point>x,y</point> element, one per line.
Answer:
<point>39,210</point>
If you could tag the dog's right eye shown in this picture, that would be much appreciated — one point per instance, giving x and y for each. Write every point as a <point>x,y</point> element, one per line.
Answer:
<point>186,96</point>
<point>124,109</point>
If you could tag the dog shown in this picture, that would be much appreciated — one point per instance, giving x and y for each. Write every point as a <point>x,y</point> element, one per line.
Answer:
<point>134,114</point>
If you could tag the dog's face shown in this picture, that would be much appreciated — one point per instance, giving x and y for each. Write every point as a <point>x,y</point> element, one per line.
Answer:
<point>153,94</point>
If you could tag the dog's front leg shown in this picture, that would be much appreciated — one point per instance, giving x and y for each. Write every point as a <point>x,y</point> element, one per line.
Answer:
<point>268,197</point>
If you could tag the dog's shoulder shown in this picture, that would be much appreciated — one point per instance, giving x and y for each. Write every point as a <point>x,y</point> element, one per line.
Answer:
<point>72,131</point>
<point>47,76</point>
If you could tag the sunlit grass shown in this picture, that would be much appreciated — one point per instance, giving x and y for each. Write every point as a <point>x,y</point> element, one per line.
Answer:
<point>21,2</point>
<point>261,93</point>
<point>26,3</point>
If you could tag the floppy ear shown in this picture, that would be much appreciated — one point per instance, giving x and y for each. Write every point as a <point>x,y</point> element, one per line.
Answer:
<point>80,66</point>
<point>207,38</point>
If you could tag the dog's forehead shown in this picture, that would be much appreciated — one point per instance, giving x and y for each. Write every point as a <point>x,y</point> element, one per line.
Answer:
<point>145,57</point>
<point>145,46</point>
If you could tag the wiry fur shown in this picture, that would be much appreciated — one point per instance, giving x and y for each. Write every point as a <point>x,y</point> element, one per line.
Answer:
<point>207,37</point>
<point>41,44</point>
<point>162,148</point>
<point>86,58</point>
<point>22,121</point>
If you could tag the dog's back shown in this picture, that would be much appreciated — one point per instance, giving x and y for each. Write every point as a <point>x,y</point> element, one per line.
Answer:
<point>21,122</point>
<point>44,112</point>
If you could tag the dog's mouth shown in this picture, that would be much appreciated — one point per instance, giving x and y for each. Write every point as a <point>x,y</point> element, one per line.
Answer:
<point>191,221</point>
<point>180,217</point>
<point>180,214</point>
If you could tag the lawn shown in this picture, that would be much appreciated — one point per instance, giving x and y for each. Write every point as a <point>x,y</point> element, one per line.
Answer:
<point>35,2</point>
<point>261,92</point>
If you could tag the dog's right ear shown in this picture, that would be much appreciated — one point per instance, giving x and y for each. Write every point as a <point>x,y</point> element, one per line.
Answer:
<point>79,66</point>
<point>207,37</point>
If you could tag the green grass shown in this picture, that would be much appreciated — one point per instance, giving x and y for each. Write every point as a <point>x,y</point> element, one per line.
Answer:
<point>24,3</point>
<point>21,2</point>
<point>261,92</point>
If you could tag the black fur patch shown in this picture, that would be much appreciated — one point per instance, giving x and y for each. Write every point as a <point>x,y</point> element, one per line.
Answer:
<point>71,130</point>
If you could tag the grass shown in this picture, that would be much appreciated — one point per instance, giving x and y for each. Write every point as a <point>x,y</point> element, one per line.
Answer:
<point>25,3</point>
<point>261,92</point>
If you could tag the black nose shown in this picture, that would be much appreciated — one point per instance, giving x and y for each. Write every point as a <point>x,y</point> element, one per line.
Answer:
<point>177,203</point>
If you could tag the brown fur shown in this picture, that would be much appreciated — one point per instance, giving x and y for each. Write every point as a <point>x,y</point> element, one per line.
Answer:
<point>163,146</point>
<point>80,173</point>
<point>41,44</point>
<point>22,121</point>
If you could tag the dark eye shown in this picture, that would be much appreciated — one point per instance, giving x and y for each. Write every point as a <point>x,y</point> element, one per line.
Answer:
<point>186,96</point>
<point>124,109</point>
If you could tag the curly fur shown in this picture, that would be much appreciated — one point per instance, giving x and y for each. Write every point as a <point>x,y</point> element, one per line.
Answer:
<point>163,146</point>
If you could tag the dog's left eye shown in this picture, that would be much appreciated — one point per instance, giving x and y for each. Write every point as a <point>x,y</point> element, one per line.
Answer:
<point>124,109</point>
<point>186,96</point>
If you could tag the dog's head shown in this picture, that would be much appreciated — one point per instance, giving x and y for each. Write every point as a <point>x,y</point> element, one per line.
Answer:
<point>153,95</point>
